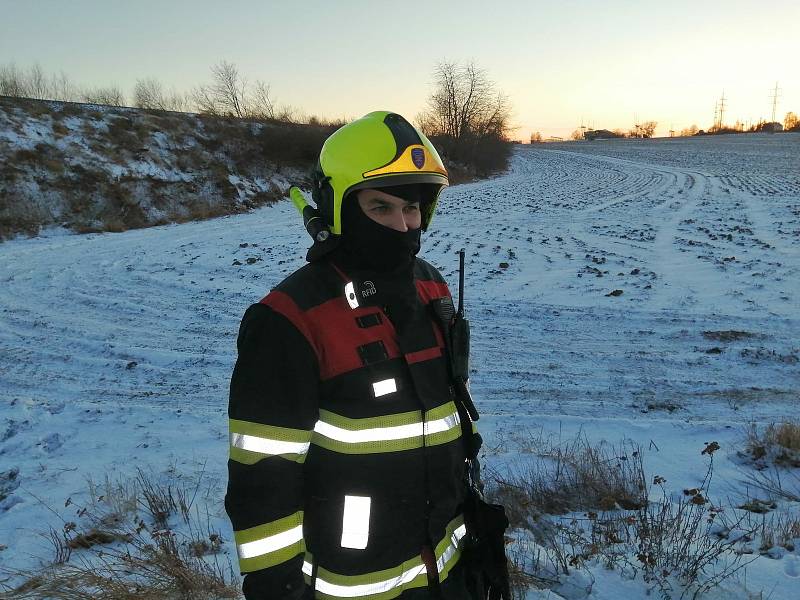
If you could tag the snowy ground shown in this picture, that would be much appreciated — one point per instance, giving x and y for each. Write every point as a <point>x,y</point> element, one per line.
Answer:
<point>116,349</point>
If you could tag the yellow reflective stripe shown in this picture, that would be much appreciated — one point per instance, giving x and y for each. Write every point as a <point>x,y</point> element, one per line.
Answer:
<point>390,583</point>
<point>250,442</point>
<point>270,544</point>
<point>405,164</point>
<point>389,433</point>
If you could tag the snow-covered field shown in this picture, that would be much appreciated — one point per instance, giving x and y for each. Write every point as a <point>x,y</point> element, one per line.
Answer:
<point>599,277</point>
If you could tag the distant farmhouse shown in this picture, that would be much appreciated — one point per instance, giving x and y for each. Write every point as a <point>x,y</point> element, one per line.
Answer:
<point>600,134</point>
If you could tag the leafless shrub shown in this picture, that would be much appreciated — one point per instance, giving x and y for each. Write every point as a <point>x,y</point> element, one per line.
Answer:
<point>572,476</point>
<point>162,501</point>
<point>779,530</point>
<point>34,83</point>
<point>680,547</point>
<point>293,144</point>
<point>12,81</point>
<point>776,482</point>
<point>111,95</point>
<point>62,549</point>
<point>149,94</point>
<point>261,105</point>
<point>776,444</point>
<point>17,217</point>
<point>230,95</point>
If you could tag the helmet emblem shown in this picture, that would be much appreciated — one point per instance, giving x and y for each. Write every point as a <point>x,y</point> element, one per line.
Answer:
<point>418,157</point>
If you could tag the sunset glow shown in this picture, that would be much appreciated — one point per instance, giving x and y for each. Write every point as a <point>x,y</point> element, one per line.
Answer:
<point>600,64</point>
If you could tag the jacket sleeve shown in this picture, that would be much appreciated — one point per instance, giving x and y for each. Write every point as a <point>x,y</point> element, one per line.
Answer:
<point>272,411</point>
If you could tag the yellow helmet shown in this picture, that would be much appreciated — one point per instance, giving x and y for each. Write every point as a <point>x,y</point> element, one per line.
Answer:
<point>380,149</point>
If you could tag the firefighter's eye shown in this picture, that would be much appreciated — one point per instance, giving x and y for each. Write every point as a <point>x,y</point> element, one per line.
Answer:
<point>411,208</point>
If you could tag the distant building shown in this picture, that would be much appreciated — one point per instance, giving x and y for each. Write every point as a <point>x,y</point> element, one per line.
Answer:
<point>600,134</point>
<point>773,127</point>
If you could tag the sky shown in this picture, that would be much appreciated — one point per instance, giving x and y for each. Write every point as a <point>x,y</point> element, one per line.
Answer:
<point>562,64</point>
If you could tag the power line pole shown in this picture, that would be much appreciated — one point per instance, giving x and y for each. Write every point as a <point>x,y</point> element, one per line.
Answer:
<point>775,93</point>
<point>721,109</point>
<point>716,112</point>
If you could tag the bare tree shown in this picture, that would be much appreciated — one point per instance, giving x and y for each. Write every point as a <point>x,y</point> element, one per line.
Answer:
<point>62,88</point>
<point>648,128</point>
<point>204,100</point>
<point>791,122</point>
<point>688,131</point>
<point>576,135</point>
<point>149,93</point>
<point>464,103</point>
<point>34,83</point>
<point>12,81</point>
<point>536,137</point>
<point>229,94</point>
<point>37,84</point>
<point>259,104</point>
<point>229,89</point>
<point>111,95</point>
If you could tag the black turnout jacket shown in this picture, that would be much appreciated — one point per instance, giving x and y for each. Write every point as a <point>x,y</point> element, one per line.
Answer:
<point>346,457</point>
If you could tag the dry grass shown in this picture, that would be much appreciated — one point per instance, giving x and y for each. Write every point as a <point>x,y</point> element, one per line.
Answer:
<point>671,544</point>
<point>127,547</point>
<point>779,530</point>
<point>777,443</point>
<point>730,335</point>
<point>572,476</point>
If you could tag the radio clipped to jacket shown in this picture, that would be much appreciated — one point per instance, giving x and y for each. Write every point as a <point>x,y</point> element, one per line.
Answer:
<point>486,566</point>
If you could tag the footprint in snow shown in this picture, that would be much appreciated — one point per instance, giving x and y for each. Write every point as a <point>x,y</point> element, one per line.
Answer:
<point>792,566</point>
<point>51,443</point>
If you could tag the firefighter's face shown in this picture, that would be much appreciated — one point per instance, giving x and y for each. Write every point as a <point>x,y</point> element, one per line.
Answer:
<point>390,211</point>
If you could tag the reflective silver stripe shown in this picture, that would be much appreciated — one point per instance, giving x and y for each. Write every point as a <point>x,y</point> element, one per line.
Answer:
<point>355,522</point>
<point>387,386</point>
<point>367,589</point>
<point>271,543</point>
<point>448,553</point>
<point>444,424</point>
<point>383,434</point>
<point>267,446</point>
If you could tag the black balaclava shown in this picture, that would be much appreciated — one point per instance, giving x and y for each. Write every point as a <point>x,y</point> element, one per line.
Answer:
<point>369,245</point>
<point>382,256</point>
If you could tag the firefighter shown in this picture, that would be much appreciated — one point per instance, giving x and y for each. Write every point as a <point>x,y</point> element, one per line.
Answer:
<point>347,462</point>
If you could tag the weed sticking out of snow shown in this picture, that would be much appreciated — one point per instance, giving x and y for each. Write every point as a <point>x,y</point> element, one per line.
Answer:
<point>678,546</point>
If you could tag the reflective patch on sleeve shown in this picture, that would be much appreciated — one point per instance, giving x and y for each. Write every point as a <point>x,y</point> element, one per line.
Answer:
<point>270,544</point>
<point>267,446</point>
<point>251,442</point>
<point>355,522</point>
